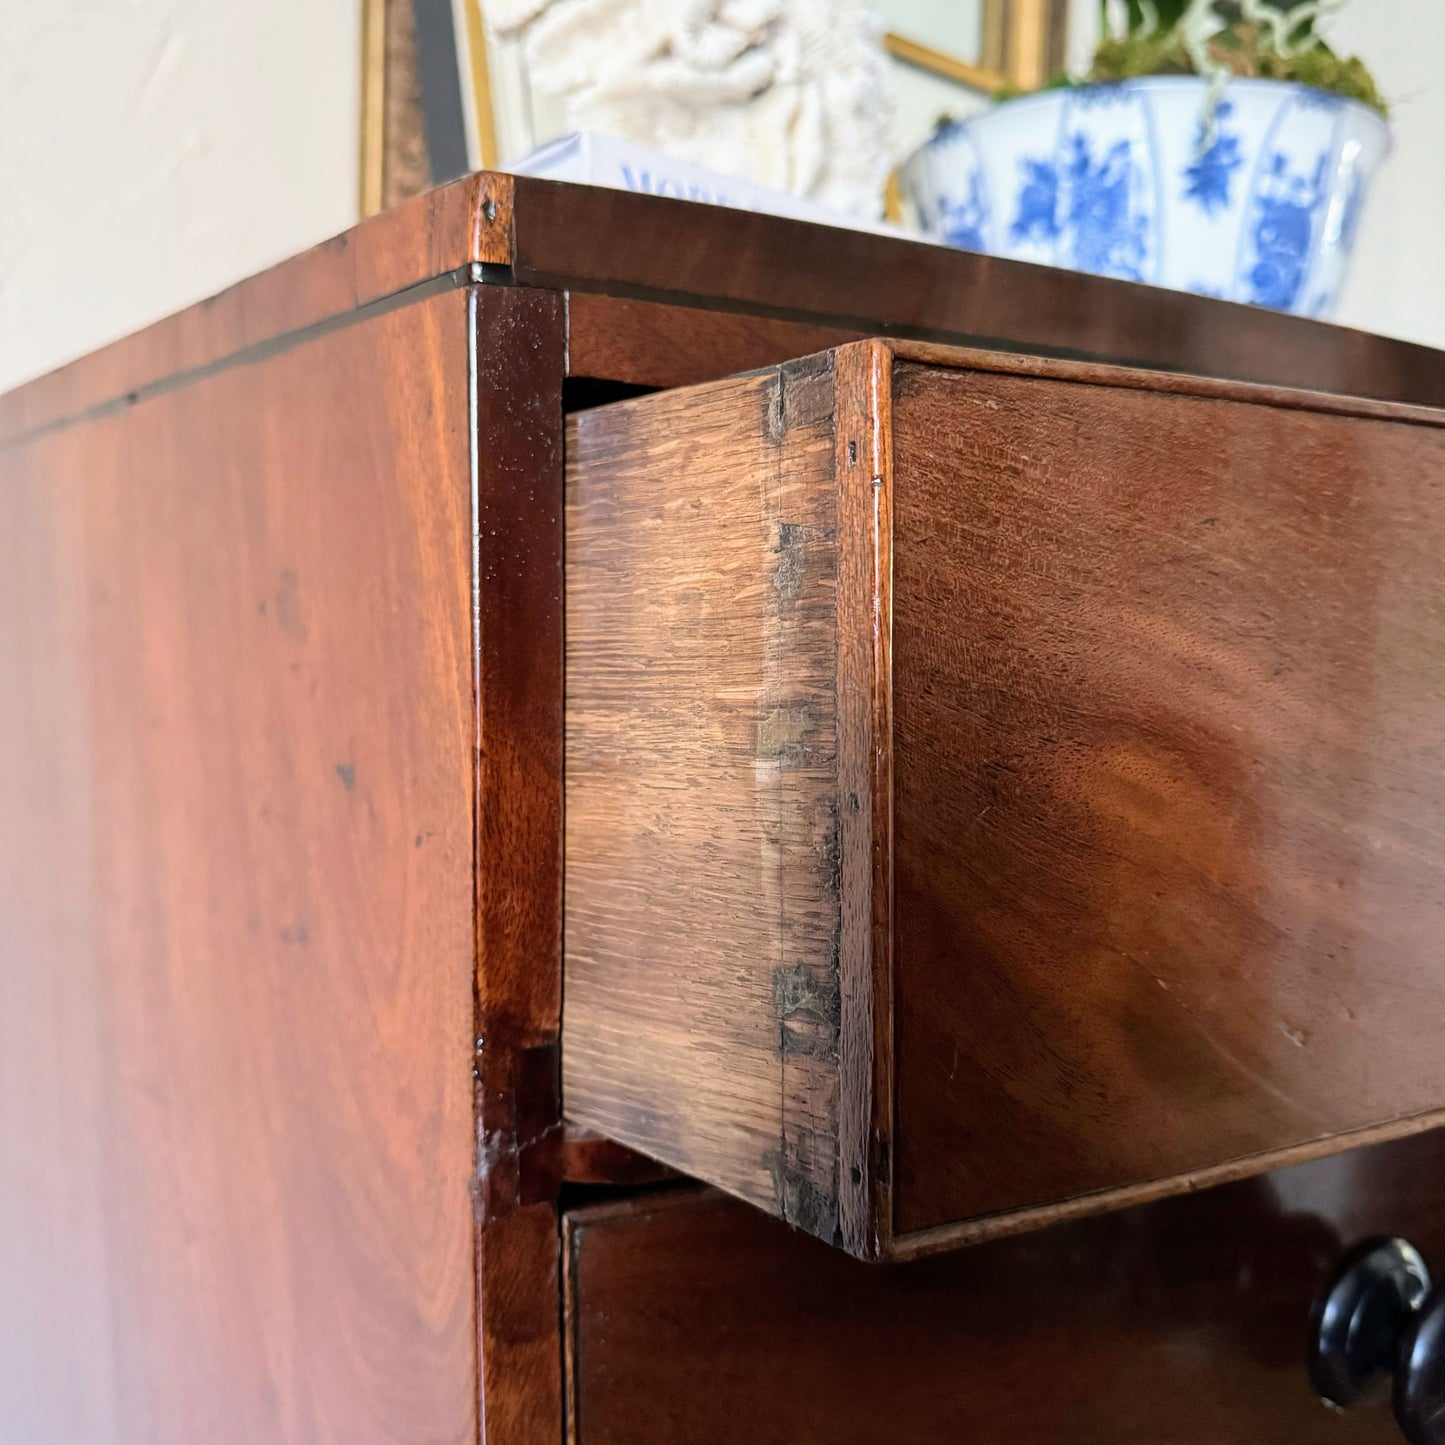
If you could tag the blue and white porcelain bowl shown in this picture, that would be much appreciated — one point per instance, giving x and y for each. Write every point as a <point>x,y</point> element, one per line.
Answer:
<point>1256,199</point>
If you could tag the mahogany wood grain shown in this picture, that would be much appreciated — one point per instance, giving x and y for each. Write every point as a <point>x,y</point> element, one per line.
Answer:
<point>236,906</point>
<point>517,590</point>
<point>651,343</point>
<point>517,578</point>
<point>626,244</point>
<point>518,1294</point>
<point>1168,881</point>
<point>999,788</point>
<point>692,1317</point>
<point>445,411</point>
<point>592,1158</point>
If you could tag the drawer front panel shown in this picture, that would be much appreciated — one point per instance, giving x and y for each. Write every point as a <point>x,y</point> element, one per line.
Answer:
<point>1169,773</point>
<point>1186,1322</point>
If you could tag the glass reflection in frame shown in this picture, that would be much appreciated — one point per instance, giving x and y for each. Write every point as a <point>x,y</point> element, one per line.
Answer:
<point>985,45</point>
<point>934,33</point>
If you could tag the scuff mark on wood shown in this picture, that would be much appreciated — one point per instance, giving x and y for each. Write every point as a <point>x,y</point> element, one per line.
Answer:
<point>808,1005</point>
<point>807,391</point>
<point>833,854</point>
<point>783,734</point>
<point>774,426</point>
<point>287,605</point>
<point>801,1200</point>
<point>788,570</point>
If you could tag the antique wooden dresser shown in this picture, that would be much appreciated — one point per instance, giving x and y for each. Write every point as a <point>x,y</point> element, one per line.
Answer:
<point>629,823</point>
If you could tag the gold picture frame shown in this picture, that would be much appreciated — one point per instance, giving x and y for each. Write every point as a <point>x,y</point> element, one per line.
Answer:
<point>373,105</point>
<point>406,47</point>
<point>479,73</point>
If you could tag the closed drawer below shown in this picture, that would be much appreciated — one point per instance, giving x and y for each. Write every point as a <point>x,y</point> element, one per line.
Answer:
<point>1186,1322</point>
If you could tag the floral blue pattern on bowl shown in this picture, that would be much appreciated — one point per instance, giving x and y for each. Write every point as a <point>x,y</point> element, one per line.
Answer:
<point>1256,198</point>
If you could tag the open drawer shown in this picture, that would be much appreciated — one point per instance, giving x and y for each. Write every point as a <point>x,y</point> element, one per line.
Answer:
<point>1000,788</point>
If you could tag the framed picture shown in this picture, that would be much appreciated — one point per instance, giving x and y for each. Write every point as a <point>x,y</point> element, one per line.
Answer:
<point>427,111</point>
<point>950,57</point>
<point>985,45</point>
<point>446,90</point>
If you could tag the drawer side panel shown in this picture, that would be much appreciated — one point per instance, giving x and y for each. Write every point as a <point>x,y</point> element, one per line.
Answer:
<point>703,1009</point>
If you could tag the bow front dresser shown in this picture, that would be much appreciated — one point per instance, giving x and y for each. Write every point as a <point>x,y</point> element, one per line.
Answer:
<point>626,823</point>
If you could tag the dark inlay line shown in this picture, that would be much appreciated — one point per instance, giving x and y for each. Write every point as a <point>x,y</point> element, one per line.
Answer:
<point>471,274</point>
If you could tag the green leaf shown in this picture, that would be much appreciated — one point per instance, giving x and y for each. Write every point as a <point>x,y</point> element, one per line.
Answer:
<point>1171,12</point>
<point>1270,39</point>
<point>1299,33</point>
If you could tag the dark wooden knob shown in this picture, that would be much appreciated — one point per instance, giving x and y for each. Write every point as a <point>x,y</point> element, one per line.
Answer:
<point>1380,1316</point>
<point>1420,1373</point>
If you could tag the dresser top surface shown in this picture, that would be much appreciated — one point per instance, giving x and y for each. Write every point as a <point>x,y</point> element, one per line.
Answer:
<point>499,229</point>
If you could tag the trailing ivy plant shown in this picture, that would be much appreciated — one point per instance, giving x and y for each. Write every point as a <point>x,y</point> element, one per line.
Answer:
<point>1271,39</point>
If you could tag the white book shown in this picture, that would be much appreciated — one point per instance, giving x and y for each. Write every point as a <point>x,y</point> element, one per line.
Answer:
<point>594,159</point>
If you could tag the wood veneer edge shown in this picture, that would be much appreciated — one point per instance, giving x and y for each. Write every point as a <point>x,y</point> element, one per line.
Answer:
<point>515,416</point>
<point>571,1253</point>
<point>250,355</point>
<point>885,1110</point>
<point>1136,378</point>
<point>492,219</point>
<point>652,1201</point>
<point>863,470</point>
<point>997,1226</point>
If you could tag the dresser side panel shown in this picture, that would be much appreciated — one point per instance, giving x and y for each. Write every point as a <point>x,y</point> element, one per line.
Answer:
<point>236,910</point>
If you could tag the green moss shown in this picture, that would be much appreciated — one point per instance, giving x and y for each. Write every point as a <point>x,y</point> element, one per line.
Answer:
<point>1237,46</point>
<point>1320,67</point>
<point>1124,57</point>
<point>1062,80</point>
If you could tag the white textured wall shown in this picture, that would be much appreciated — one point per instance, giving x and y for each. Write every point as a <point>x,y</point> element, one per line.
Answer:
<point>154,151</point>
<point>1397,284</point>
